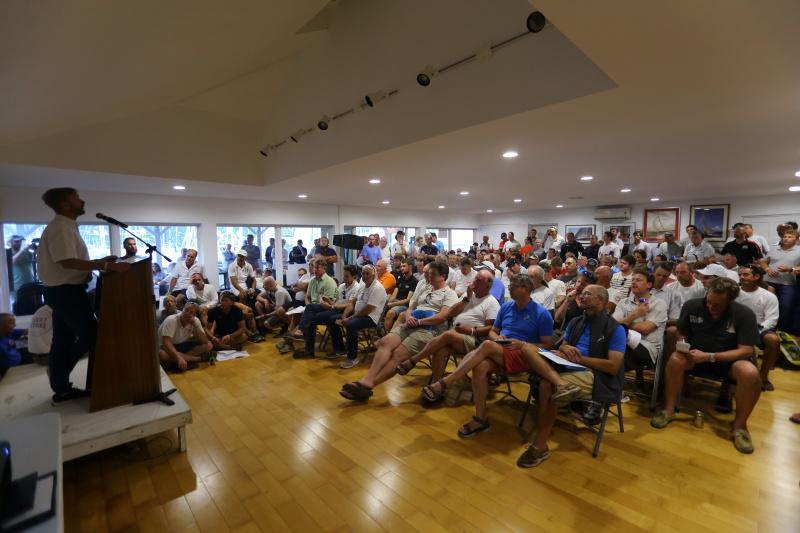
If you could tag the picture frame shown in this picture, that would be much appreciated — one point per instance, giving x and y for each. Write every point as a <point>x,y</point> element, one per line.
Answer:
<point>624,230</point>
<point>541,229</point>
<point>657,222</point>
<point>711,220</point>
<point>583,232</point>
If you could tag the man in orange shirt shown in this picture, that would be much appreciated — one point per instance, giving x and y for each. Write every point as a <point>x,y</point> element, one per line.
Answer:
<point>385,277</point>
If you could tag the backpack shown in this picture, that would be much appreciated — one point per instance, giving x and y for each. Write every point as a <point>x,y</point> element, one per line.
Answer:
<point>790,349</point>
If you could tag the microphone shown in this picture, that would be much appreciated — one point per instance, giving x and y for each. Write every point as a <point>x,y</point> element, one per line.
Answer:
<point>111,220</point>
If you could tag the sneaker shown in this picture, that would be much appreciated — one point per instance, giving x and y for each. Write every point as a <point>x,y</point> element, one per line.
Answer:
<point>349,363</point>
<point>335,355</point>
<point>742,441</point>
<point>285,348</point>
<point>593,415</point>
<point>661,419</point>
<point>72,394</point>
<point>532,457</point>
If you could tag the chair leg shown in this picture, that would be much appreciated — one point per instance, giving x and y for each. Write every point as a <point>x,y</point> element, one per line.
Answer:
<point>619,415</point>
<point>659,376</point>
<point>601,431</point>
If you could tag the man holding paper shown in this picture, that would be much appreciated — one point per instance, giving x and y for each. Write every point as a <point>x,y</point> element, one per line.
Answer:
<point>594,340</point>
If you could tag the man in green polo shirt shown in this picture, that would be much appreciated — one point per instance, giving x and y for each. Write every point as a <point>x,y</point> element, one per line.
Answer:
<point>321,289</point>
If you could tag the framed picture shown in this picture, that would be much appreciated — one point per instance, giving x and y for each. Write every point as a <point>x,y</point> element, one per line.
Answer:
<point>583,232</point>
<point>541,229</point>
<point>624,230</point>
<point>657,222</point>
<point>711,220</point>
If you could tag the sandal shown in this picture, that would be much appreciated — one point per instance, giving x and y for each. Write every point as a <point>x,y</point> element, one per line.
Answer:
<point>356,392</point>
<point>404,367</point>
<point>795,418</point>
<point>429,395</point>
<point>465,431</point>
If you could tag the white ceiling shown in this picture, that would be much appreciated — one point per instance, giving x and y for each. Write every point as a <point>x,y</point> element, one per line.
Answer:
<point>705,102</point>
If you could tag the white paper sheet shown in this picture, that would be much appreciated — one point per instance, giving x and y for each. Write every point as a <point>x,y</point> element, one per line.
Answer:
<point>559,360</point>
<point>296,311</point>
<point>227,355</point>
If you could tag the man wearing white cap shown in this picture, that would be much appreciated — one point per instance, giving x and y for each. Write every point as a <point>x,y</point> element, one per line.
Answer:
<point>498,289</point>
<point>713,271</point>
<point>242,276</point>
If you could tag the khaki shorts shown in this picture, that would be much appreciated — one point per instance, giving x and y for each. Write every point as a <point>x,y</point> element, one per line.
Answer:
<point>584,379</point>
<point>413,339</point>
<point>470,342</point>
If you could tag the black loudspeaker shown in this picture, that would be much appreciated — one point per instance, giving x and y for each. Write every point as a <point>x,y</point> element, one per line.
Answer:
<point>349,242</point>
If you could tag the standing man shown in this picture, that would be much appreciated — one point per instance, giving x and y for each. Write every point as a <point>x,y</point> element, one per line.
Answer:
<point>21,261</point>
<point>182,276</point>
<point>399,247</point>
<point>65,269</point>
<point>571,246</point>
<point>326,255</point>
<point>253,252</point>
<point>746,251</point>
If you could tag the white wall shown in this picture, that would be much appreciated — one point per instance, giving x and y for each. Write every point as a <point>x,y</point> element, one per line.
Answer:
<point>23,204</point>
<point>496,223</point>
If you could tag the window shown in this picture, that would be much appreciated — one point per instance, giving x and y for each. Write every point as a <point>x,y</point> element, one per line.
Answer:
<point>169,240</point>
<point>462,238</point>
<point>441,236</point>
<point>292,234</point>
<point>236,236</point>
<point>383,231</point>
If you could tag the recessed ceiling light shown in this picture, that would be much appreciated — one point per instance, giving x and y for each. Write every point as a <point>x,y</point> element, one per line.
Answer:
<point>441,207</point>
<point>794,188</point>
<point>385,202</point>
<point>587,178</point>
<point>655,199</point>
<point>374,181</point>
<point>560,206</point>
<point>797,174</point>
<point>179,187</point>
<point>517,200</point>
<point>490,210</point>
<point>624,190</point>
<point>302,196</point>
<point>464,193</point>
<point>510,154</point>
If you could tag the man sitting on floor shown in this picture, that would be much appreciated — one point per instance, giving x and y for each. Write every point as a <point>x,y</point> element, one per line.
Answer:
<point>398,302</point>
<point>183,341</point>
<point>273,303</point>
<point>10,355</point>
<point>226,328</point>
<point>594,340</point>
<point>426,317</point>
<point>520,324</point>
<point>364,313</point>
<point>721,335</point>
<point>474,317</point>
<point>205,296</point>
<point>765,305</point>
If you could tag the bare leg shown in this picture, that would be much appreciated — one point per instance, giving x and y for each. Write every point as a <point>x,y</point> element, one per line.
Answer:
<point>388,320</point>
<point>449,339</point>
<point>677,365</point>
<point>770,357</point>
<point>383,355</point>
<point>487,350</point>
<point>546,416</point>
<point>540,366</point>
<point>748,389</point>
<point>399,354</point>
<point>439,362</point>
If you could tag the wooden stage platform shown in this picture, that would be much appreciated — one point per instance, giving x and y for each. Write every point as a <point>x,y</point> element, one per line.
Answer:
<point>25,391</point>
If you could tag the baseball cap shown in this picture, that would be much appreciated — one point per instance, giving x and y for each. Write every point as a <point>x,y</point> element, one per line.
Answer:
<point>714,270</point>
<point>484,265</point>
<point>592,263</point>
<point>242,252</point>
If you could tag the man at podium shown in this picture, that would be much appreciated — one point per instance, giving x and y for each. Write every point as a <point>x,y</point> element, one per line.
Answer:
<point>65,269</point>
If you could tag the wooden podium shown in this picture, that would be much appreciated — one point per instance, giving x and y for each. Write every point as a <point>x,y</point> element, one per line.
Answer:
<point>125,368</point>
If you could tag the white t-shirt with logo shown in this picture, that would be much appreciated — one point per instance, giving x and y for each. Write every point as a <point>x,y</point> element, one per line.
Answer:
<point>347,294</point>
<point>374,295</point>
<point>40,332</point>
<point>477,312</point>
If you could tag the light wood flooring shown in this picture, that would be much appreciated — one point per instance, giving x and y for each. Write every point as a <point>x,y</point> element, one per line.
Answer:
<point>274,448</point>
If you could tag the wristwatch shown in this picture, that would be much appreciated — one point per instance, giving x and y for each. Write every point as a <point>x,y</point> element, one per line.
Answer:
<point>712,357</point>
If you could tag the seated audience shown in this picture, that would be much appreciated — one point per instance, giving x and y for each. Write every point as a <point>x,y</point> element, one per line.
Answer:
<point>709,272</point>
<point>474,315</point>
<point>602,277</point>
<point>242,279</point>
<point>594,340</point>
<point>645,315</point>
<point>521,325</point>
<point>558,287</point>
<point>182,274</point>
<point>670,248</point>
<point>685,288</point>
<point>321,288</point>
<point>169,307</point>
<point>640,259</point>
<point>10,355</point>
<point>721,335</point>
<point>226,328</point>
<point>463,276</point>
<point>782,264</point>
<point>427,315</point>
<point>272,305</point>
<point>160,279</point>
<point>364,312</point>
<point>765,306</point>
<point>541,294</point>
<point>385,277</point>
<point>570,270</point>
<point>205,296</point>
<point>621,281</point>
<point>698,249</point>
<point>401,296</point>
<point>183,340</point>
<point>569,308</point>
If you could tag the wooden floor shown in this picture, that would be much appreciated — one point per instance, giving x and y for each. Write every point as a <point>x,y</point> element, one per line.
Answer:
<point>274,448</point>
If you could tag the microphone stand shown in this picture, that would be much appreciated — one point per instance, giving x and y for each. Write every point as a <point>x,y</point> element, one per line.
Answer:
<point>150,248</point>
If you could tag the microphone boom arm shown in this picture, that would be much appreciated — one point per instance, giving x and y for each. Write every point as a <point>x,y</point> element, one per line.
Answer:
<point>150,248</point>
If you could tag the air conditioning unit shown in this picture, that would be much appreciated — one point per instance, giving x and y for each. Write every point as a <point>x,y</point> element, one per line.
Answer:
<point>612,213</point>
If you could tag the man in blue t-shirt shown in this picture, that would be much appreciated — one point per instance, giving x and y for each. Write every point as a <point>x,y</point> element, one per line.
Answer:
<point>593,300</point>
<point>521,323</point>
